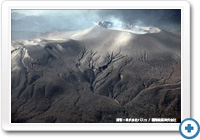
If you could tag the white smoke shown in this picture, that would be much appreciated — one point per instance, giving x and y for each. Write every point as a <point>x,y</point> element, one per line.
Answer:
<point>137,28</point>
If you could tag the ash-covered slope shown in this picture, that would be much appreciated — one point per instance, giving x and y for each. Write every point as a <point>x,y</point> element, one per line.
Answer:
<point>96,75</point>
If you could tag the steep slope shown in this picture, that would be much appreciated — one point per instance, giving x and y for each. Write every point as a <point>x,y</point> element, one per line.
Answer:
<point>96,75</point>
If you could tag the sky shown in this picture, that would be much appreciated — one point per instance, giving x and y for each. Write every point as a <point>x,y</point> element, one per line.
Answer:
<point>70,20</point>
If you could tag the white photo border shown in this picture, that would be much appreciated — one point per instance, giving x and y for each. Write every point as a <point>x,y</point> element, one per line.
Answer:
<point>6,64</point>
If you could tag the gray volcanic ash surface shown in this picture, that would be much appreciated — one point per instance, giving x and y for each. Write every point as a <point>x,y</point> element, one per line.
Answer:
<point>95,76</point>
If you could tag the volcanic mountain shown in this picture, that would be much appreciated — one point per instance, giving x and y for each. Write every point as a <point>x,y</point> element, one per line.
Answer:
<point>95,76</point>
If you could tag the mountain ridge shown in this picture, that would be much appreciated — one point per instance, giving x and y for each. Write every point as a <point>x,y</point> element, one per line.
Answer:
<point>98,76</point>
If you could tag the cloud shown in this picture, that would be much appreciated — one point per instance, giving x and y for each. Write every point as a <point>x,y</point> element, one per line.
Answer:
<point>147,17</point>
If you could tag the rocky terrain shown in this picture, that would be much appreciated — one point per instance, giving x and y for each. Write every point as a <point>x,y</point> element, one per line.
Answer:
<point>95,76</point>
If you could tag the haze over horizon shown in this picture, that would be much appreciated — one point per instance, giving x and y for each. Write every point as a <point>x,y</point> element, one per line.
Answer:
<point>70,20</point>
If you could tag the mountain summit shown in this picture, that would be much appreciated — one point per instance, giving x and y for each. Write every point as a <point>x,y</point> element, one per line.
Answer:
<point>97,75</point>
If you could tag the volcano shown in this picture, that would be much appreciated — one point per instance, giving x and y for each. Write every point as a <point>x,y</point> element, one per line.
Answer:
<point>96,75</point>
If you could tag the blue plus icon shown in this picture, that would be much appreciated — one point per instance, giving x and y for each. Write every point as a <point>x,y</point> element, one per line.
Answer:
<point>189,128</point>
